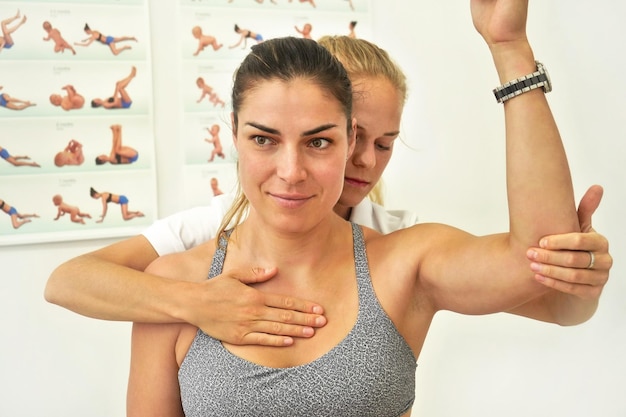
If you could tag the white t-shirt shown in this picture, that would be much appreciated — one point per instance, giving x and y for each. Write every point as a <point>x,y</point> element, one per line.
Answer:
<point>189,228</point>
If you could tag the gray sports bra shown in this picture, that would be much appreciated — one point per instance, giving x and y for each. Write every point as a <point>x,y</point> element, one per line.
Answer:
<point>369,373</point>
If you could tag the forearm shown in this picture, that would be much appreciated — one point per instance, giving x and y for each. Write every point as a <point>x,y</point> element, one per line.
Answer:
<point>559,308</point>
<point>96,288</point>
<point>109,284</point>
<point>540,192</point>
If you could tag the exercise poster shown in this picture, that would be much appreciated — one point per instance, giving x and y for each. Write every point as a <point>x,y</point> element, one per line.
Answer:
<point>214,37</point>
<point>77,144</point>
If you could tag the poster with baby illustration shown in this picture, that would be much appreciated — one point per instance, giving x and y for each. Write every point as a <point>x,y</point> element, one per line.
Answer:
<point>213,37</point>
<point>76,117</point>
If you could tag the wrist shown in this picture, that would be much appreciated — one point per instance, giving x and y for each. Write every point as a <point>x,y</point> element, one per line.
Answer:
<point>512,59</point>
<point>176,299</point>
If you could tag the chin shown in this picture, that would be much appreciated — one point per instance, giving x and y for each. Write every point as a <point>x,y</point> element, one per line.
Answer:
<point>351,199</point>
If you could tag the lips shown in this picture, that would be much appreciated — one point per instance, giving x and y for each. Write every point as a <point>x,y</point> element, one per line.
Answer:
<point>290,200</point>
<point>355,182</point>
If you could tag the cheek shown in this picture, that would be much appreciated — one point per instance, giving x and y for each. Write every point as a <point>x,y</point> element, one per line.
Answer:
<point>334,174</point>
<point>382,160</point>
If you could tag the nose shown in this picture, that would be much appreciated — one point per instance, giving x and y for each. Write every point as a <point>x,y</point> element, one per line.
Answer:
<point>364,154</point>
<point>290,166</point>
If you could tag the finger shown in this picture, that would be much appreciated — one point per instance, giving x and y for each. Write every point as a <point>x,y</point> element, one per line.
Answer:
<point>571,276</point>
<point>252,275</point>
<point>278,329</point>
<point>588,205</point>
<point>264,339</point>
<point>571,259</point>
<point>280,333</point>
<point>590,241</point>
<point>293,310</point>
<point>584,291</point>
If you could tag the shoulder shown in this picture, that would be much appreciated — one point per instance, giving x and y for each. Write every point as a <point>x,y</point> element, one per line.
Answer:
<point>191,265</point>
<point>376,217</point>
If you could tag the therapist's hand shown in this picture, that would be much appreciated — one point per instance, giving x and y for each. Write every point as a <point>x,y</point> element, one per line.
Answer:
<point>230,310</point>
<point>563,262</point>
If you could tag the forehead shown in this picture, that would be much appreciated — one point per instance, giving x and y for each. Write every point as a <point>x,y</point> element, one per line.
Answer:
<point>293,100</point>
<point>377,102</point>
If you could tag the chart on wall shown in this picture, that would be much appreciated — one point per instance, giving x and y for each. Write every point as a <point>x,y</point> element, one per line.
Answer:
<point>214,37</point>
<point>77,142</point>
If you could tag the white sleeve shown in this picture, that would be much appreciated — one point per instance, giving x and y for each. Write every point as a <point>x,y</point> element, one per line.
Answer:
<point>376,217</point>
<point>186,229</point>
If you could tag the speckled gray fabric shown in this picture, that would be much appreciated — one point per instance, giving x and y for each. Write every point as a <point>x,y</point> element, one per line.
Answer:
<point>369,373</point>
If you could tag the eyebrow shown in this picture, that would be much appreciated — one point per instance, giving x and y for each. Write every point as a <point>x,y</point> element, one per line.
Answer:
<point>305,133</point>
<point>392,134</point>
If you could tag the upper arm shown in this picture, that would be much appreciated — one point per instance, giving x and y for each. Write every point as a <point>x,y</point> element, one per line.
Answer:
<point>460,272</point>
<point>135,252</point>
<point>153,388</point>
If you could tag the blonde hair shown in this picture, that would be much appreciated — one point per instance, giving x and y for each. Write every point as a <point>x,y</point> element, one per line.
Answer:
<point>363,59</point>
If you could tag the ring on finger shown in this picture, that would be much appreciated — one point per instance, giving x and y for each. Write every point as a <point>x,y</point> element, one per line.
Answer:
<point>592,260</point>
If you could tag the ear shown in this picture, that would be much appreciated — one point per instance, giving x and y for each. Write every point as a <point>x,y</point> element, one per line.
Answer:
<point>352,139</point>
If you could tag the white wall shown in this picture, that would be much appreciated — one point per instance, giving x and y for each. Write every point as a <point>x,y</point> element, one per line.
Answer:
<point>55,363</point>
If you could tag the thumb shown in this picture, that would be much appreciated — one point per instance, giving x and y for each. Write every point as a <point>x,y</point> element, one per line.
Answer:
<point>253,275</point>
<point>588,205</point>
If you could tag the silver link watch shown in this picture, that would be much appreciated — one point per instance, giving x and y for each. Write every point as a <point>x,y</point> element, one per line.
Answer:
<point>513,88</point>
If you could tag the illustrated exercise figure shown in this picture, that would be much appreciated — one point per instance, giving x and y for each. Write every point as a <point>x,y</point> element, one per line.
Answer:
<point>204,40</point>
<point>351,26</point>
<point>305,31</point>
<point>120,154</point>
<point>17,219</point>
<point>6,40</point>
<point>63,208</point>
<point>207,91</point>
<point>60,44</point>
<point>107,198</point>
<point>17,160</point>
<point>215,140</point>
<point>244,34</point>
<point>70,101</point>
<point>111,41</point>
<point>13,103</point>
<point>71,155</point>
<point>215,187</point>
<point>120,98</point>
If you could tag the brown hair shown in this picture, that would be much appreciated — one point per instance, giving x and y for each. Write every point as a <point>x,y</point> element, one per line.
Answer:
<point>285,59</point>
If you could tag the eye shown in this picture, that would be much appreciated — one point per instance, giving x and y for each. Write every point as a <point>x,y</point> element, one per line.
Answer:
<point>262,140</point>
<point>382,147</point>
<point>320,143</point>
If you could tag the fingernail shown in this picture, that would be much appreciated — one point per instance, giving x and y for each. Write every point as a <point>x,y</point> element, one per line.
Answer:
<point>535,267</point>
<point>320,321</point>
<point>532,254</point>
<point>318,310</point>
<point>543,243</point>
<point>308,331</point>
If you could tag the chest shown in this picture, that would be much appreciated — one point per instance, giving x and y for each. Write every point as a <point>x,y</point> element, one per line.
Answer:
<point>371,372</point>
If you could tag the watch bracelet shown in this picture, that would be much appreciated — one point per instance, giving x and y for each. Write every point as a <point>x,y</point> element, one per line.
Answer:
<point>512,88</point>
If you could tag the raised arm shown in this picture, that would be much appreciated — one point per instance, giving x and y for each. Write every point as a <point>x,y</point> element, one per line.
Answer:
<point>242,38</point>
<point>483,275</point>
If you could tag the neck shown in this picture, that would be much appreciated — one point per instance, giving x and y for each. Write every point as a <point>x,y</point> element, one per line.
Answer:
<point>268,246</point>
<point>343,211</point>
